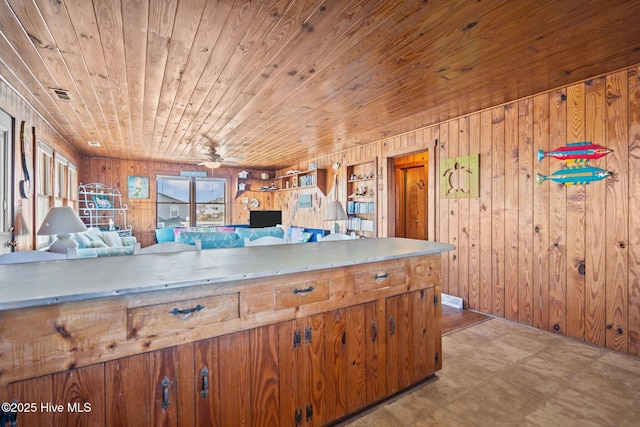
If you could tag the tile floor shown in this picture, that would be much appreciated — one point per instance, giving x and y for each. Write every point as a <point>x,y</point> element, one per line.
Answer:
<point>500,373</point>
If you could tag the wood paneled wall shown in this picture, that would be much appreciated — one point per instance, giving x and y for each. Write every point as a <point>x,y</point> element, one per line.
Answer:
<point>565,259</point>
<point>24,209</point>
<point>560,258</point>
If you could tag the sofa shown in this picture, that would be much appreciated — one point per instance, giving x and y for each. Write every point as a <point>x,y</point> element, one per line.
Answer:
<point>99,243</point>
<point>233,236</point>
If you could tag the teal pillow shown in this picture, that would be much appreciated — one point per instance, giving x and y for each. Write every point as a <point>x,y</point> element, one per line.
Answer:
<point>82,239</point>
<point>164,234</point>
<point>255,233</point>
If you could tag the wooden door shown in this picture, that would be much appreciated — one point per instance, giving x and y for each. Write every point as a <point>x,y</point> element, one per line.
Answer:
<point>411,200</point>
<point>302,388</point>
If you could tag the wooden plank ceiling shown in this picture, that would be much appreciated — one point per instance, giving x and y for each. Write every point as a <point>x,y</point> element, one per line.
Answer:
<point>277,81</point>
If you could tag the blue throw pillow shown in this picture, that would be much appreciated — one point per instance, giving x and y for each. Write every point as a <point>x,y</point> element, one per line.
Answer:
<point>165,235</point>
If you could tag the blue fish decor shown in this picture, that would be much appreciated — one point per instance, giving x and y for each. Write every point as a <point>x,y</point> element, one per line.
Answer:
<point>575,175</point>
<point>576,155</point>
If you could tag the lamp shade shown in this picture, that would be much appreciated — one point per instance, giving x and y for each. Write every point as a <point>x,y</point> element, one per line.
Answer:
<point>61,220</point>
<point>335,212</point>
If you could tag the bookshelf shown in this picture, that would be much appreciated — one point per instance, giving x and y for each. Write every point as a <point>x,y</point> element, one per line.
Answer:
<point>362,198</point>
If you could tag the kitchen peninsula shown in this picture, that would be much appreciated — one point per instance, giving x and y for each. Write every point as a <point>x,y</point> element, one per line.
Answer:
<point>272,335</point>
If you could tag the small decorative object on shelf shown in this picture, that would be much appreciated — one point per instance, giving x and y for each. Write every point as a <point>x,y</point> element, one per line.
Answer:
<point>101,206</point>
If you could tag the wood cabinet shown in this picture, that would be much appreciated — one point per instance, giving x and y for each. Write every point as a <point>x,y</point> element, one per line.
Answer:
<point>362,198</point>
<point>295,350</point>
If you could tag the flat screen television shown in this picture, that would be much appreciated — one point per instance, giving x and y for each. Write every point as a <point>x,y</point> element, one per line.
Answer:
<point>259,219</point>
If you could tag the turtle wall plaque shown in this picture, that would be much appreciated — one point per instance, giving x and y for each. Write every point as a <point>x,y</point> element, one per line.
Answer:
<point>459,177</point>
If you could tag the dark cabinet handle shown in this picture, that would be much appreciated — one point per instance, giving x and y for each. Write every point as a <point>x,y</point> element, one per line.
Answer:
<point>374,331</point>
<point>303,291</point>
<point>165,393</point>
<point>392,325</point>
<point>176,311</point>
<point>205,382</point>
<point>380,276</point>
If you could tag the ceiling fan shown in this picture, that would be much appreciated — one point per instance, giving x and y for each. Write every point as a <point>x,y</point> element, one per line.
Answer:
<point>215,160</point>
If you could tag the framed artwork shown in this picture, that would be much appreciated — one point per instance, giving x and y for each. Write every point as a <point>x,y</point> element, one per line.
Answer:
<point>305,200</point>
<point>138,187</point>
<point>460,177</point>
<point>102,201</point>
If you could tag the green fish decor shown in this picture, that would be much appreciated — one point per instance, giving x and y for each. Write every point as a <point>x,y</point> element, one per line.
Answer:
<point>575,175</point>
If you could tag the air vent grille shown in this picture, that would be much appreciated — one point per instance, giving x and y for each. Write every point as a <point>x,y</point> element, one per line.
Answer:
<point>61,94</point>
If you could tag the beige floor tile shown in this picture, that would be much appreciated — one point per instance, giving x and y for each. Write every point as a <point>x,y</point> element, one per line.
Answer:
<point>500,373</point>
<point>444,417</point>
<point>609,389</point>
<point>592,408</point>
<point>498,401</point>
<point>553,414</point>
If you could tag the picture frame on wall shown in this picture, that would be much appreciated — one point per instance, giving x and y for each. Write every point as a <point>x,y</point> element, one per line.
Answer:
<point>138,187</point>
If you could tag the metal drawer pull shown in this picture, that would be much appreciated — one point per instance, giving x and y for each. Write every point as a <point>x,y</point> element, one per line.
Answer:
<point>205,382</point>
<point>165,393</point>
<point>374,331</point>
<point>392,325</point>
<point>303,291</point>
<point>380,276</point>
<point>176,311</point>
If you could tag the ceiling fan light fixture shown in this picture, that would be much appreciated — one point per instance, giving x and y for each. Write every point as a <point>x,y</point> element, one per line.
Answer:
<point>212,165</point>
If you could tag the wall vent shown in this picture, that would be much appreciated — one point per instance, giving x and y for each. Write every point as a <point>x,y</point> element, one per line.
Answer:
<point>61,94</point>
<point>452,301</point>
<point>94,144</point>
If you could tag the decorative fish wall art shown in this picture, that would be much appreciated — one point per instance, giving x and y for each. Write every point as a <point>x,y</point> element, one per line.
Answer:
<point>575,155</point>
<point>575,175</point>
<point>576,152</point>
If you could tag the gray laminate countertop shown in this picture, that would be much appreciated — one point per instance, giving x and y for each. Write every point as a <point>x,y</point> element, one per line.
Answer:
<point>52,282</point>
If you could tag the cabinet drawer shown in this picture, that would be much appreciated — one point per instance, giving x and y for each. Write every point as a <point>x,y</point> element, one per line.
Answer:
<point>385,277</point>
<point>295,294</point>
<point>177,315</point>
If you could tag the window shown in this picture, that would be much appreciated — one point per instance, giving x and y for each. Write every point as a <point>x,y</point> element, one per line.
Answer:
<point>6,168</point>
<point>66,182</point>
<point>56,185</point>
<point>194,202</point>
<point>44,187</point>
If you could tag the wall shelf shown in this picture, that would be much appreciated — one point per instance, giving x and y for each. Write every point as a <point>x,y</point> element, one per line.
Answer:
<point>362,198</point>
<point>101,206</point>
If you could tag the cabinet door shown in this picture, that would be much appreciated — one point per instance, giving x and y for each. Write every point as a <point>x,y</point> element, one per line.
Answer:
<point>74,397</point>
<point>142,389</point>
<point>302,382</point>
<point>423,317</point>
<point>354,363</point>
<point>223,378</point>
<point>399,348</point>
<point>412,338</point>
<point>265,369</point>
<point>375,352</point>
<point>335,365</point>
